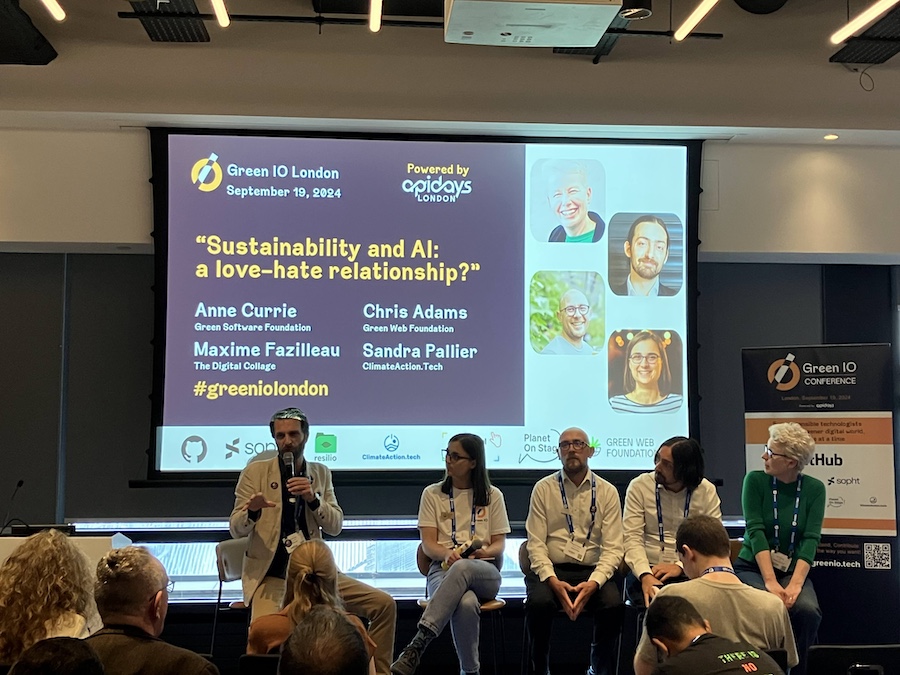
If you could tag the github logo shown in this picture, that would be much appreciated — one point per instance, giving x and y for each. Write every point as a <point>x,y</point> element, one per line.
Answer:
<point>193,446</point>
<point>206,174</point>
<point>784,373</point>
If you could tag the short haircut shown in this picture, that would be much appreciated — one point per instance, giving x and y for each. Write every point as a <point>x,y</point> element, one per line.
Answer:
<point>59,656</point>
<point>668,617</point>
<point>656,220</point>
<point>324,643</point>
<point>794,441</point>
<point>290,414</point>
<point>127,579</point>
<point>687,460</point>
<point>705,535</point>
<point>564,167</point>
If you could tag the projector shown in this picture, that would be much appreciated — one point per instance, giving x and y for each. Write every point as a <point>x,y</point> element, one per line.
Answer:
<point>513,23</point>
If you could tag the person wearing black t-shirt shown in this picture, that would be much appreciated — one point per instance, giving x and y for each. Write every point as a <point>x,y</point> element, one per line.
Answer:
<point>689,647</point>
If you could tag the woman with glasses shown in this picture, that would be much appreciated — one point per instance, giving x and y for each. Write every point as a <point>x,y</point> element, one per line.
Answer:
<point>647,380</point>
<point>783,509</point>
<point>311,581</point>
<point>459,510</point>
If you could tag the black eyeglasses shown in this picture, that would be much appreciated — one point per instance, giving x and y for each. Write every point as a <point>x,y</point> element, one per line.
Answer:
<point>770,453</point>
<point>454,456</point>
<point>577,444</point>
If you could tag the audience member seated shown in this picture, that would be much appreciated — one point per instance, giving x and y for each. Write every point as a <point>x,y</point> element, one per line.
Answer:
<point>58,656</point>
<point>132,593</point>
<point>689,647</point>
<point>325,642</point>
<point>784,510</point>
<point>46,590</point>
<point>311,581</point>
<point>735,611</point>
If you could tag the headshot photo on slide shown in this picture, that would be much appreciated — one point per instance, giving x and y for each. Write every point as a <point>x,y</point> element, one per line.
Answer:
<point>568,199</point>
<point>645,372</point>
<point>646,254</point>
<point>567,313</point>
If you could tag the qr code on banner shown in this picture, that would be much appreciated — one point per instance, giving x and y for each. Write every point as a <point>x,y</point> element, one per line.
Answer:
<point>877,556</point>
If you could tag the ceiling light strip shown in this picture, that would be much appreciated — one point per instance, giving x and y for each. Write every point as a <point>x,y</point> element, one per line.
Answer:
<point>221,13</point>
<point>375,15</point>
<point>56,11</point>
<point>696,17</point>
<point>863,19</point>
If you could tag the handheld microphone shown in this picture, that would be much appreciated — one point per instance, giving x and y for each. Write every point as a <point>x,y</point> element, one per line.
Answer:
<point>288,459</point>
<point>465,550</point>
<point>9,506</point>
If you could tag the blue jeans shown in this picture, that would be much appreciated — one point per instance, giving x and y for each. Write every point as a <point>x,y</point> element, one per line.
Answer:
<point>805,614</point>
<point>455,597</point>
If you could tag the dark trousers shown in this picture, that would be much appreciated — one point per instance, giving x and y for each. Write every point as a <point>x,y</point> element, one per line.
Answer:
<point>541,605</point>
<point>635,593</point>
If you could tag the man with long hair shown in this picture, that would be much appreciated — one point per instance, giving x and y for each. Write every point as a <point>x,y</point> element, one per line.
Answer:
<point>655,504</point>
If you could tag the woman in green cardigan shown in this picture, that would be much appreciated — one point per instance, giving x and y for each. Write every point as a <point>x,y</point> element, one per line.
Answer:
<point>783,510</point>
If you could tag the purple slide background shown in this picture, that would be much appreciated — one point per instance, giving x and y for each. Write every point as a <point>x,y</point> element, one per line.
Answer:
<point>486,226</point>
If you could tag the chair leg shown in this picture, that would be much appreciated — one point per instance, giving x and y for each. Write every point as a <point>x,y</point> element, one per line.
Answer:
<point>212,641</point>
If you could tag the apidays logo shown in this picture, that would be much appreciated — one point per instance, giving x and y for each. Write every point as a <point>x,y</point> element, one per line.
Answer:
<point>784,373</point>
<point>206,174</point>
<point>432,190</point>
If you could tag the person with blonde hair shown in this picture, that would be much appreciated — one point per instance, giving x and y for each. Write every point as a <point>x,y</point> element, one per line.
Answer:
<point>46,590</point>
<point>312,580</point>
<point>784,509</point>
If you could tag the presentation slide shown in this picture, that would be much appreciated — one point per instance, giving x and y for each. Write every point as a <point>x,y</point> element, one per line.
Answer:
<point>402,291</point>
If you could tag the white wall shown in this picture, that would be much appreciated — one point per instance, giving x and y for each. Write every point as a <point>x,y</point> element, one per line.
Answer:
<point>800,203</point>
<point>89,190</point>
<point>74,190</point>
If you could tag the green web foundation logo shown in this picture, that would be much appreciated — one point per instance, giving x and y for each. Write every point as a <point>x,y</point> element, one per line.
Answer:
<point>206,174</point>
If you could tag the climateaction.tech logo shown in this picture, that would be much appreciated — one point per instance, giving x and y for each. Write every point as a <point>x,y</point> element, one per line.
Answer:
<point>206,174</point>
<point>784,373</point>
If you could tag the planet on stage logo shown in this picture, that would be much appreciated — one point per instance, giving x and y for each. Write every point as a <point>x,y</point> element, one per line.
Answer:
<point>779,370</point>
<point>206,174</point>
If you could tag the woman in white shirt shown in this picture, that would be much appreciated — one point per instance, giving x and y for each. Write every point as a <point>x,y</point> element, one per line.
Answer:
<point>462,508</point>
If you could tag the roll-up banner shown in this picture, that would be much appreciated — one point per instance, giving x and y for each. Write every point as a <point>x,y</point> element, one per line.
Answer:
<point>843,396</point>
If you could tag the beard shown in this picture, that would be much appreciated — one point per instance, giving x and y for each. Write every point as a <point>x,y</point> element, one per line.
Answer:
<point>646,268</point>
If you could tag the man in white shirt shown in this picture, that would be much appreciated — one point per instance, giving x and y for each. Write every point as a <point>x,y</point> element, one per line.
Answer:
<point>575,546</point>
<point>655,504</point>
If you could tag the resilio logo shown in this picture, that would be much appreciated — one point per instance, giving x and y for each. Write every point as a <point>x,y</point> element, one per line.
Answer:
<point>191,444</point>
<point>206,174</point>
<point>326,444</point>
<point>784,373</point>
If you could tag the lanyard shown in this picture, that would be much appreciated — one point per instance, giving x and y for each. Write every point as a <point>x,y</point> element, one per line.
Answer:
<point>453,519</point>
<point>775,540</point>
<point>565,501</point>
<point>718,568</point>
<point>659,519</point>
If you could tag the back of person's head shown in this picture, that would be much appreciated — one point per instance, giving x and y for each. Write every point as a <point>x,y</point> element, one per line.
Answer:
<point>687,461</point>
<point>45,578</point>
<point>324,643</point>
<point>311,579</point>
<point>669,617</point>
<point>704,535</point>
<point>58,656</point>
<point>127,580</point>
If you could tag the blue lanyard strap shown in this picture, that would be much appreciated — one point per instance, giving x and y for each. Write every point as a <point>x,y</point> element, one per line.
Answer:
<point>659,518</point>
<point>775,540</point>
<point>718,568</point>
<point>453,519</point>
<point>565,501</point>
